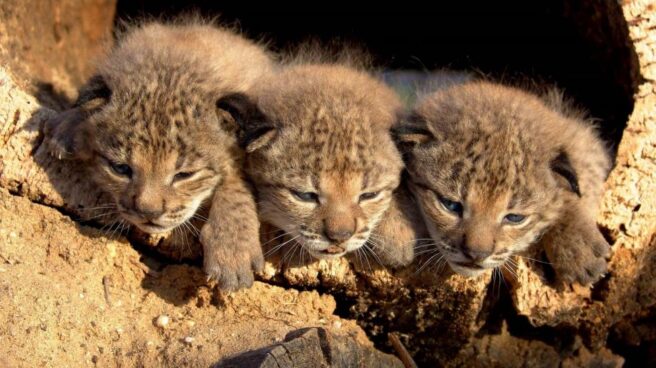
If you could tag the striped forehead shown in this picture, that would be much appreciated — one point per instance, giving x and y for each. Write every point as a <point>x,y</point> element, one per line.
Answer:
<point>153,140</point>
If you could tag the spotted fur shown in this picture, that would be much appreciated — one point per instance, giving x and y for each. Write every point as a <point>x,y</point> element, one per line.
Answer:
<point>481,156</point>
<point>321,156</point>
<point>148,127</point>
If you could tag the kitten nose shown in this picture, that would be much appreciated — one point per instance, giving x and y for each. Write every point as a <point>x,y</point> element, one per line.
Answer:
<point>147,210</point>
<point>475,255</point>
<point>149,214</point>
<point>338,235</point>
<point>148,203</point>
<point>339,226</point>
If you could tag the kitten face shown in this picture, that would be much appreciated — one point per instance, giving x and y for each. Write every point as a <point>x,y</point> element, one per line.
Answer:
<point>154,191</point>
<point>330,211</point>
<point>320,154</point>
<point>487,177</point>
<point>482,228</point>
<point>154,166</point>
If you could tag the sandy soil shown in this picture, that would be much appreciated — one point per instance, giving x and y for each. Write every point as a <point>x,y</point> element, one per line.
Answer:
<point>56,310</point>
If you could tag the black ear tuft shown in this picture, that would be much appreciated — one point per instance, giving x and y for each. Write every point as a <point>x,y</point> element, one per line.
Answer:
<point>239,106</point>
<point>255,129</point>
<point>412,130</point>
<point>95,88</point>
<point>562,166</point>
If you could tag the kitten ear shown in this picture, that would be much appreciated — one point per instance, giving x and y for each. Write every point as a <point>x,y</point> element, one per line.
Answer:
<point>68,133</point>
<point>94,93</point>
<point>255,129</point>
<point>562,166</point>
<point>412,130</point>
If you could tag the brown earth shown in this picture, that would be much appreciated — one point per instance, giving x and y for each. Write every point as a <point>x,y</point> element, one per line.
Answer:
<point>74,296</point>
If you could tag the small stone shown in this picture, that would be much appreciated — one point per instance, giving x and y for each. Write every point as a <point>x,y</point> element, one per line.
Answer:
<point>162,321</point>
<point>191,323</point>
<point>188,340</point>
<point>337,324</point>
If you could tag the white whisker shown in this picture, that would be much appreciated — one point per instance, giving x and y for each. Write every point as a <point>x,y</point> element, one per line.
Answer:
<point>277,237</point>
<point>104,214</point>
<point>200,217</point>
<point>376,246</point>
<point>279,246</point>
<point>366,258</point>
<point>284,258</point>
<point>373,254</point>
<point>431,250</point>
<point>511,271</point>
<point>425,264</point>
<point>534,260</point>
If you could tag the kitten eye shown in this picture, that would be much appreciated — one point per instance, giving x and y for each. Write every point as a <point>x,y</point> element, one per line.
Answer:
<point>183,175</point>
<point>451,206</point>
<point>368,195</point>
<point>306,196</point>
<point>121,169</point>
<point>514,218</point>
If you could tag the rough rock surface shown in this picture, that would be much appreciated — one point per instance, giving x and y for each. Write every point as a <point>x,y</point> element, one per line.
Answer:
<point>312,347</point>
<point>49,44</point>
<point>627,217</point>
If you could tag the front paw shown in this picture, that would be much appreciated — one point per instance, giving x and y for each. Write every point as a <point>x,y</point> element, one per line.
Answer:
<point>232,267</point>
<point>580,257</point>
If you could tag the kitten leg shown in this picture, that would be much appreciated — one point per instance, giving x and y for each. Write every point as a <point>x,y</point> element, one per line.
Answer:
<point>230,238</point>
<point>395,234</point>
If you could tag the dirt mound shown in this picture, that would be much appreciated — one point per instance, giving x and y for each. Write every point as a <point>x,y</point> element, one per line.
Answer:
<point>72,296</point>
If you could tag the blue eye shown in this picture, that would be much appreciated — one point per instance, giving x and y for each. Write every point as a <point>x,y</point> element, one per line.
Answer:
<point>306,196</point>
<point>514,218</point>
<point>451,206</point>
<point>121,169</point>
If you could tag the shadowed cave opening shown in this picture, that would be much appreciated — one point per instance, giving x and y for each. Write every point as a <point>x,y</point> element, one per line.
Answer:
<point>582,48</point>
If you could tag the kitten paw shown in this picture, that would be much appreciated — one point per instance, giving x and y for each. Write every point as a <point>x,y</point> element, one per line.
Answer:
<point>233,267</point>
<point>582,257</point>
